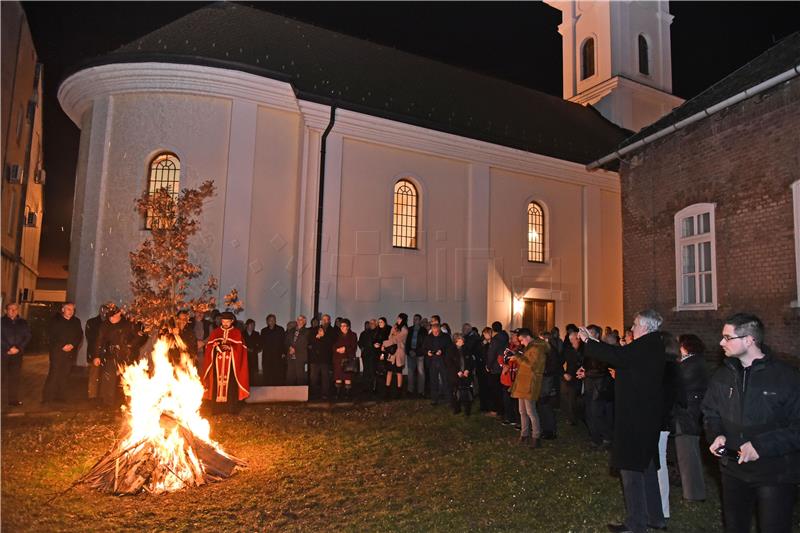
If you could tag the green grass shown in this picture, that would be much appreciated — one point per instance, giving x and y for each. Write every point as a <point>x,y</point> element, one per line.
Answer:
<point>401,466</point>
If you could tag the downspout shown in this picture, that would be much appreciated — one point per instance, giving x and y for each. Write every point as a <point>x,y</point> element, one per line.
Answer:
<point>707,112</point>
<point>318,257</point>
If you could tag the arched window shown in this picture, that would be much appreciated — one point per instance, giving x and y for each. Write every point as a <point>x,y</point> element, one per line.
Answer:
<point>404,220</point>
<point>587,58</point>
<point>165,173</point>
<point>644,58</point>
<point>535,233</point>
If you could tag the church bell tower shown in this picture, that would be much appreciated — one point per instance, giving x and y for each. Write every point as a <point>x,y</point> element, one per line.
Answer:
<point>617,57</point>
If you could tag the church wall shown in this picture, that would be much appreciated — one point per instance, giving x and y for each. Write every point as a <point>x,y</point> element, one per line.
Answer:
<point>559,278</point>
<point>119,138</point>
<point>375,279</point>
<point>271,279</point>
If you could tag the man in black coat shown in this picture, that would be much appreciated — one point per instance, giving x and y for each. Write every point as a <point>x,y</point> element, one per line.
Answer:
<point>435,349</point>
<point>91,331</point>
<point>16,334</point>
<point>321,358</point>
<point>118,343</point>
<point>415,359</point>
<point>496,347</point>
<point>272,356</point>
<point>638,405</point>
<point>752,418</point>
<point>66,336</point>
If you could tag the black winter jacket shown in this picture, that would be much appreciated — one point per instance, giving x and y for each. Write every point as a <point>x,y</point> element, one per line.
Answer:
<point>692,387</point>
<point>15,333</point>
<point>63,332</point>
<point>496,347</point>
<point>759,404</point>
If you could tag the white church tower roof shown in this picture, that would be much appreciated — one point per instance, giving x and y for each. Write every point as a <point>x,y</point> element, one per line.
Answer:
<point>617,58</point>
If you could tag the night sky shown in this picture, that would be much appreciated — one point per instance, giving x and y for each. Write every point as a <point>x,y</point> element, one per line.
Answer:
<point>516,41</point>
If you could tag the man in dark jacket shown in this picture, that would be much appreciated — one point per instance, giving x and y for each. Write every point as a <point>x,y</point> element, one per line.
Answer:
<point>752,418</point>
<point>638,409</point>
<point>369,355</point>
<point>435,349</point>
<point>598,396</point>
<point>118,343</point>
<point>273,356</point>
<point>496,347</point>
<point>551,387</point>
<point>321,357</point>
<point>66,335</point>
<point>572,354</point>
<point>92,330</point>
<point>296,345</point>
<point>415,359</point>
<point>16,334</point>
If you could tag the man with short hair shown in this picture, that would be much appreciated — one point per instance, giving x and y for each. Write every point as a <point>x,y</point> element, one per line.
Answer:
<point>118,343</point>
<point>65,335</point>
<point>16,334</point>
<point>321,358</point>
<point>298,339</point>
<point>273,356</point>
<point>91,331</point>
<point>638,406</point>
<point>435,348</point>
<point>752,418</point>
<point>415,360</point>
<point>527,386</point>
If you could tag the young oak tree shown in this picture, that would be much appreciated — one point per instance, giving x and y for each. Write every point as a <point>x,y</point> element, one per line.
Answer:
<point>161,270</point>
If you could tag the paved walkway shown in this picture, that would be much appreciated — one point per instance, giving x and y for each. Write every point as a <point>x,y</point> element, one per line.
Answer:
<point>34,373</point>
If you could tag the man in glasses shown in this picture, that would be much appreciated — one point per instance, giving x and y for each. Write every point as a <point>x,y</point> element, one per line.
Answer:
<point>752,418</point>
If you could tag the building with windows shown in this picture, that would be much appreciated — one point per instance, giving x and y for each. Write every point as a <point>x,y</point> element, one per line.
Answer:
<point>23,174</point>
<point>711,205</point>
<point>353,179</point>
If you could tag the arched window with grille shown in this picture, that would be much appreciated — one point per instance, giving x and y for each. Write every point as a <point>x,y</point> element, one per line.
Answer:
<point>164,173</point>
<point>404,216</point>
<point>644,58</point>
<point>587,58</point>
<point>535,233</point>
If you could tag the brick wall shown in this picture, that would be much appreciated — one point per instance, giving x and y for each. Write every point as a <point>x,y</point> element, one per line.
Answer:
<point>744,159</point>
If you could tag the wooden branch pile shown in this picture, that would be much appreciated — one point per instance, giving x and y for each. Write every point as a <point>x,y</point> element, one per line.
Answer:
<point>137,468</point>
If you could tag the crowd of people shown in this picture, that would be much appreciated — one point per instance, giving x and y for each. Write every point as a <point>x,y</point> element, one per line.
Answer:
<point>632,391</point>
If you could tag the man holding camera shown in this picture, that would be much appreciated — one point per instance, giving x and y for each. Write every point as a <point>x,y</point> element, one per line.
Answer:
<point>638,411</point>
<point>752,417</point>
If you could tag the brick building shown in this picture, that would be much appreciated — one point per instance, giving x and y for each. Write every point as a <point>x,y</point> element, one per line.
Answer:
<point>711,205</point>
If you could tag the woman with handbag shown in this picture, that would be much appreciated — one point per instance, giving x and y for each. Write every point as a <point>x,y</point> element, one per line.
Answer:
<point>345,363</point>
<point>395,354</point>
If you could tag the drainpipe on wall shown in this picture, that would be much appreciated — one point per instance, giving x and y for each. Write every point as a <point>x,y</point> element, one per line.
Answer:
<point>318,257</point>
<point>707,112</point>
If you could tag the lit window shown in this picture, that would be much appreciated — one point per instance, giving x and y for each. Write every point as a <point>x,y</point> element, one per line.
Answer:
<point>535,233</point>
<point>644,58</point>
<point>404,221</point>
<point>165,173</point>
<point>587,58</point>
<point>695,257</point>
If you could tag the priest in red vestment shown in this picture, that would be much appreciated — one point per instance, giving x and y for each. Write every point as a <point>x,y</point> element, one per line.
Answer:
<point>225,374</point>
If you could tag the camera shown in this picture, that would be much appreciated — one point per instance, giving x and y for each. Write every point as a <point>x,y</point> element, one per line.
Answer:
<point>508,353</point>
<point>728,452</point>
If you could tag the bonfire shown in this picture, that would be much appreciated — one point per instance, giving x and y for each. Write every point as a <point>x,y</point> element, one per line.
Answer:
<point>167,444</point>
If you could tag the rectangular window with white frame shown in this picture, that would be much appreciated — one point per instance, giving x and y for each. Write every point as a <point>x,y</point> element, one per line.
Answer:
<point>695,258</point>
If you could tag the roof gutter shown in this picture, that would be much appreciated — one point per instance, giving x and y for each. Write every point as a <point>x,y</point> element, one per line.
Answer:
<point>707,112</point>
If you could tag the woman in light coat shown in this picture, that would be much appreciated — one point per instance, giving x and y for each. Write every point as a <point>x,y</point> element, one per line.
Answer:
<point>397,360</point>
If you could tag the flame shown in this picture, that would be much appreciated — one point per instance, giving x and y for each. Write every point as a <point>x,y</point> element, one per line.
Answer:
<point>174,390</point>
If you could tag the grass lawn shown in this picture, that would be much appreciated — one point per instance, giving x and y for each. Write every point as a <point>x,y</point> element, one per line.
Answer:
<point>398,466</point>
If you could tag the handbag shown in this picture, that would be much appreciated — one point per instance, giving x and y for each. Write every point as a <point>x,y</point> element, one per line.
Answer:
<point>390,350</point>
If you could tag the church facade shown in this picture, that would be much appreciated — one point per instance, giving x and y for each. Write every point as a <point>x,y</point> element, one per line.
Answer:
<point>352,179</point>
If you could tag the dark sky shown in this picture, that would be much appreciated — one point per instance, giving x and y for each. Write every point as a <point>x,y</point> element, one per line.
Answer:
<point>517,41</point>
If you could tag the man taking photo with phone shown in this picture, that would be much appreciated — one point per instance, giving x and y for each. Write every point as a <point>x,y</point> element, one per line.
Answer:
<point>752,418</point>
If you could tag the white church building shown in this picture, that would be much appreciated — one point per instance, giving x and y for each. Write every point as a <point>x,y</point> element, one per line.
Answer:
<point>358,180</point>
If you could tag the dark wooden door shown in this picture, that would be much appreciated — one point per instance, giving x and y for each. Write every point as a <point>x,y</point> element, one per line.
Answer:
<point>539,315</point>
